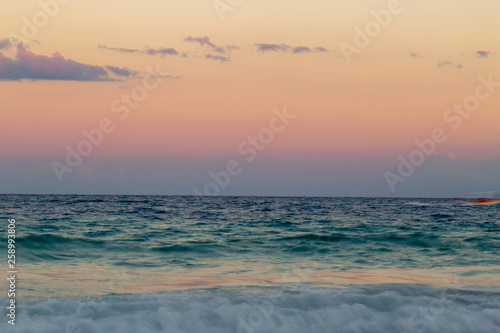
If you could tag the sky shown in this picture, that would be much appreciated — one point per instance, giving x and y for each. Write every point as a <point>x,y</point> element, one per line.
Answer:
<point>238,97</point>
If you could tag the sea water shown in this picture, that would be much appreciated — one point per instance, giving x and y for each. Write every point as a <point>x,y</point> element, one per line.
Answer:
<point>251,264</point>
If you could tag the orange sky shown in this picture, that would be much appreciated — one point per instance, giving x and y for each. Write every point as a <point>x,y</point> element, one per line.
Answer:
<point>394,91</point>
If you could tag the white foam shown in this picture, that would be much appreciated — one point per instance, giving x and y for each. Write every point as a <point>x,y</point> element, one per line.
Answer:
<point>378,308</point>
<point>418,203</point>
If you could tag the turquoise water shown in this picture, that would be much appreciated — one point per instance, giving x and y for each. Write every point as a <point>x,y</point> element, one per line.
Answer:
<point>254,264</point>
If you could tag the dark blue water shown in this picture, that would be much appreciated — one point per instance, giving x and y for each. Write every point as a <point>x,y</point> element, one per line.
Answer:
<point>347,233</point>
<point>215,259</point>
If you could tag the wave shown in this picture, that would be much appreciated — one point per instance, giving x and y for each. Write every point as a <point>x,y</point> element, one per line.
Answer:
<point>418,203</point>
<point>370,308</point>
<point>434,203</point>
<point>189,247</point>
<point>42,240</point>
<point>314,237</point>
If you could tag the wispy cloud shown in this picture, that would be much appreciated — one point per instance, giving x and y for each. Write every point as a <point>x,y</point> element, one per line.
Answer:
<point>162,51</point>
<point>165,76</point>
<point>30,66</point>
<point>124,72</point>
<point>119,49</point>
<point>301,49</point>
<point>5,44</point>
<point>480,54</point>
<point>483,54</point>
<point>150,51</point>
<point>217,57</point>
<point>416,55</point>
<point>448,63</point>
<point>223,51</point>
<point>205,41</point>
<point>8,43</point>
<point>265,47</point>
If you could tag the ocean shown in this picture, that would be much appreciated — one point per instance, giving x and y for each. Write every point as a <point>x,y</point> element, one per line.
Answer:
<point>251,264</point>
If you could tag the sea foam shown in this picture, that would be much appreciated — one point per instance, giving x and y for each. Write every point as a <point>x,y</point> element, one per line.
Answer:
<point>368,308</point>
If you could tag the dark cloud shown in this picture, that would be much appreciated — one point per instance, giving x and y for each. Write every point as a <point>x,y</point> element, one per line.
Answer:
<point>320,49</point>
<point>159,51</point>
<point>217,57</point>
<point>448,63</point>
<point>416,55</point>
<point>30,66</point>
